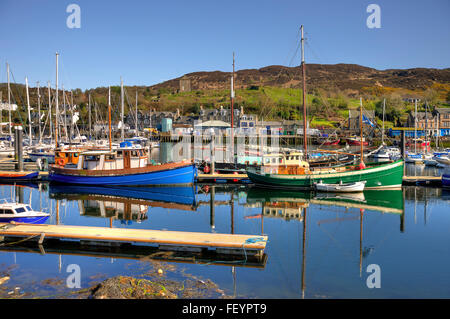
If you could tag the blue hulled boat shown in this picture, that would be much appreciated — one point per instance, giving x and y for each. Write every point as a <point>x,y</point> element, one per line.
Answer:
<point>122,167</point>
<point>21,213</point>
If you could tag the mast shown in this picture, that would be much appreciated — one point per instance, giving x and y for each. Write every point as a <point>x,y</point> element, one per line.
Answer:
<point>232,97</point>
<point>50,109</point>
<point>9,100</point>
<point>382,134</point>
<point>57,105</point>
<point>29,113</point>
<point>415,126</point>
<point>426,126</point>
<point>90,127</point>
<point>137,131</point>
<point>361,133</point>
<point>109,116</point>
<point>305,140</point>
<point>232,113</point>
<point>39,112</point>
<point>121,115</point>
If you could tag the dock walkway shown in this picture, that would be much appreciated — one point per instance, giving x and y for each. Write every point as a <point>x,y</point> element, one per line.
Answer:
<point>234,244</point>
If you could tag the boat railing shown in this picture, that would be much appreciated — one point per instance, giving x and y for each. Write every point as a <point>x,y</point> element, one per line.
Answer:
<point>7,201</point>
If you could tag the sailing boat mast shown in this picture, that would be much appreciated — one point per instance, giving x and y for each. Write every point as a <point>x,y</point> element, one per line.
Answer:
<point>361,165</point>
<point>57,105</point>
<point>415,126</point>
<point>39,113</point>
<point>121,115</point>
<point>232,96</point>
<point>137,131</point>
<point>109,117</point>
<point>304,96</point>
<point>382,134</point>
<point>29,113</point>
<point>9,101</point>
<point>90,127</point>
<point>49,110</point>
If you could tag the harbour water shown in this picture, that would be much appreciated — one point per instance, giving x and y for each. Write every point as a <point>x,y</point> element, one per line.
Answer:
<point>320,245</point>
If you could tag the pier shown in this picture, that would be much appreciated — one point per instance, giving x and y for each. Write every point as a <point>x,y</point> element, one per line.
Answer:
<point>231,244</point>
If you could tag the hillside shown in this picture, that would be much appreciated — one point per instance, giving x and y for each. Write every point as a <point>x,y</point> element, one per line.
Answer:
<point>341,76</point>
<point>272,92</point>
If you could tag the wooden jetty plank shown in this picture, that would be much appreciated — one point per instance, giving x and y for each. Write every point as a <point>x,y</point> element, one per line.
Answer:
<point>160,237</point>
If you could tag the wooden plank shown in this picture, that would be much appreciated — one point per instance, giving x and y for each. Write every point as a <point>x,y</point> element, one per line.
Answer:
<point>159,237</point>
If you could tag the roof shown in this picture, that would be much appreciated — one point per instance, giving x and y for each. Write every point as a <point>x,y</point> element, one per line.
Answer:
<point>213,123</point>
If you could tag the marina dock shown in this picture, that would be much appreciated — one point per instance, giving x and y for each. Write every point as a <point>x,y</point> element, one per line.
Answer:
<point>231,244</point>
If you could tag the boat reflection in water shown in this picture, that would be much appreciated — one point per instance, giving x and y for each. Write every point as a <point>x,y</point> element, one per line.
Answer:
<point>125,203</point>
<point>293,205</point>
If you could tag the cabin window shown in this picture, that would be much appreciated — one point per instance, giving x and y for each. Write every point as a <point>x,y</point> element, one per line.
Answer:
<point>274,160</point>
<point>134,153</point>
<point>267,160</point>
<point>110,157</point>
<point>20,210</point>
<point>119,153</point>
<point>5,211</point>
<point>28,208</point>
<point>92,158</point>
<point>297,157</point>
<point>280,160</point>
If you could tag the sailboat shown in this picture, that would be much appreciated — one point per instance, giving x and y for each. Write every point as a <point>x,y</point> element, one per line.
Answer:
<point>387,175</point>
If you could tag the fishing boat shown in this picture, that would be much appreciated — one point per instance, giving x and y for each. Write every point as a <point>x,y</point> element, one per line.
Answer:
<point>377,176</point>
<point>20,213</point>
<point>340,187</point>
<point>384,175</point>
<point>127,167</point>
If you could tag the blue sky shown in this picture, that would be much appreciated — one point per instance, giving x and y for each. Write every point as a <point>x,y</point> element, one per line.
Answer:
<point>147,42</point>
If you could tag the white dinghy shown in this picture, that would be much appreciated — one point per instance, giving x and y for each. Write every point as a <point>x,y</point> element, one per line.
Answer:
<point>341,187</point>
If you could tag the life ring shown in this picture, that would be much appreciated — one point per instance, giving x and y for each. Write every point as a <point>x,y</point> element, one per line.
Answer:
<point>60,162</point>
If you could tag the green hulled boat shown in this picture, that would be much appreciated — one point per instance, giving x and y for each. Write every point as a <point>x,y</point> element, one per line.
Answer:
<point>385,176</point>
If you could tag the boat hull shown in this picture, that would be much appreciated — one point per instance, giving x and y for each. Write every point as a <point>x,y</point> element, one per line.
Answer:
<point>28,220</point>
<point>383,176</point>
<point>18,176</point>
<point>179,175</point>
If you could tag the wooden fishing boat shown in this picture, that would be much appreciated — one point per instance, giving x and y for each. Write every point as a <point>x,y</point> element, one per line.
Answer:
<point>377,176</point>
<point>122,167</point>
<point>341,187</point>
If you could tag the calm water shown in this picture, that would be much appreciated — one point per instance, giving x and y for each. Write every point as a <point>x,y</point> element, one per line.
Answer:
<point>319,244</point>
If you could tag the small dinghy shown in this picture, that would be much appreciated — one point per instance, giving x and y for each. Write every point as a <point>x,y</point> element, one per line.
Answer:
<point>341,187</point>
<point>20,213</point>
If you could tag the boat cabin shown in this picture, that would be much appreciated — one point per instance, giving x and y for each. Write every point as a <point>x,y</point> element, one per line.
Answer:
<point>285,159</point>
<point>122,158</point>
<point>11,209</point>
